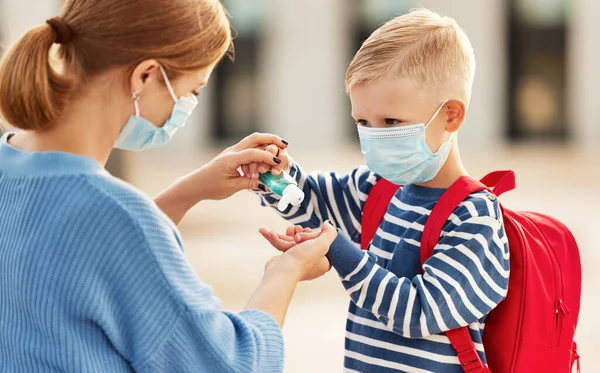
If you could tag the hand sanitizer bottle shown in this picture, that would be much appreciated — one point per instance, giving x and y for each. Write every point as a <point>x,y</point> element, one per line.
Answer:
<point>285,186</point>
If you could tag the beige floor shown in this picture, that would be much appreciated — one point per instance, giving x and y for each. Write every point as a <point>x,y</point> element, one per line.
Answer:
<point>224,247</point>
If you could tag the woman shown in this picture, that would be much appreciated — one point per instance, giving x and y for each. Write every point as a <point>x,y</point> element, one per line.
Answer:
<point>92,273</point>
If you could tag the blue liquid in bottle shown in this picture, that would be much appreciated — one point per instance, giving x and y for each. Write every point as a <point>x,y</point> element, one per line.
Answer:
<point>285,186</point>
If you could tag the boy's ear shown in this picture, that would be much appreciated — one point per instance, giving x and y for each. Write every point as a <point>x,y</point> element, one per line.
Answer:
<point>456,111</point>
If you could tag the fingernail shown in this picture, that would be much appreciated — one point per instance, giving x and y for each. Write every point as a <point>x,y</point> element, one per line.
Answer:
<point>262,187</point>
<point>277,160</point>
<point>285,142</point>
<point>329,222</point>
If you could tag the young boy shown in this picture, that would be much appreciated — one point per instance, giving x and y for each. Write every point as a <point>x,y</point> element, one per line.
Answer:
<point>410,86</point>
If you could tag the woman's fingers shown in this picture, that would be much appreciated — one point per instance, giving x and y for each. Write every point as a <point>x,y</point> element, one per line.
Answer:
<point>257,139</point>
<point>273,149</point>
<point>253,169</point>
<point>263,167</point>
<point>285,162</point>
<point>243,183</point>
<point>246,170</point>
<point>248,156</point>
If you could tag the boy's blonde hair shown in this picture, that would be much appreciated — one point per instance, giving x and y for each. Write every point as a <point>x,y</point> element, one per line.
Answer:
<point>424,46</point>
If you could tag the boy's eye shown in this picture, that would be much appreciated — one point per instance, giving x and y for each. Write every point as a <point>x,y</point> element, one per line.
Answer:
<point>196,92</point>
<point>362,122</point>
<point>391,121</point>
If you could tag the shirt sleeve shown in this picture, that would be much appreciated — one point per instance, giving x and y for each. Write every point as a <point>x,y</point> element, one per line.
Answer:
<point>465,278</point>
<point>328,195</point>
<point>157,314</point>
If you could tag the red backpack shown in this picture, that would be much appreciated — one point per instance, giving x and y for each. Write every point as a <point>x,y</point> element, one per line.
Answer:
<point>532,330</point>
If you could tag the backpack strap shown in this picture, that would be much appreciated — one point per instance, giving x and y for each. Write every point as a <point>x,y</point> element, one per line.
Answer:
<point>467,354</point>
<point>445,206</point>
<point>575,358</point>
<point>500,182</point>
<point>375,208</point>
<point>457,193</point>
<point>497,182</point>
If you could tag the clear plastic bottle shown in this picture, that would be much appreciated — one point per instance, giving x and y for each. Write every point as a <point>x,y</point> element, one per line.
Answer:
<point>285,186</point>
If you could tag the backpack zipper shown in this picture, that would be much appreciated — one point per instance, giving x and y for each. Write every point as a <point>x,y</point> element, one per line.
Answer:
<point>559,303</point>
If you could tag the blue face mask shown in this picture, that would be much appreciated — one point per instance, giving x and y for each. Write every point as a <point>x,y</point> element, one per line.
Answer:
<point>139,134</point>
<point>401,155</point>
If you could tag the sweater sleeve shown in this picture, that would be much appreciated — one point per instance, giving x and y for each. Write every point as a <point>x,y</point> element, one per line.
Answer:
<point>328,195</point>
<point>156,312</point>
<point>204,341</point>
<point>466,277</point>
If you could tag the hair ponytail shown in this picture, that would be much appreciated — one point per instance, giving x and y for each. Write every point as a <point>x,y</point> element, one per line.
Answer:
<point>33,95</point>
<point>93,36</point>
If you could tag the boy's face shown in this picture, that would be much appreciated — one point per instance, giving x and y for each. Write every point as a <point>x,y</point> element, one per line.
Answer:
<point>393,102</point>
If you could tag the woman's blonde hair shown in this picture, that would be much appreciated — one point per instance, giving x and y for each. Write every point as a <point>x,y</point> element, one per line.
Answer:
<point>430,49</point>
<point>183,35</point>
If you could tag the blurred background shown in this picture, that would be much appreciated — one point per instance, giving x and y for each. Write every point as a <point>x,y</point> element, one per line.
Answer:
<point>534,109</point>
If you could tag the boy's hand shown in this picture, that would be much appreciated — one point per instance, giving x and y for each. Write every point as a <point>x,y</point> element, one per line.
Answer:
<point>252,170</point>
<point>308,255</point>
<point>284,242</point>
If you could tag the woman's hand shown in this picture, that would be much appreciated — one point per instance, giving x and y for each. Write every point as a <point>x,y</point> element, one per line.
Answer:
<point>252,170</point>
<point>303,250</point>
<point>305,261</point>
<point>219,179</point>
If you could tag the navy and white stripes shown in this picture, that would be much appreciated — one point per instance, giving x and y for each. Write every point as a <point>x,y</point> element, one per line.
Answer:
<point>398,315</point>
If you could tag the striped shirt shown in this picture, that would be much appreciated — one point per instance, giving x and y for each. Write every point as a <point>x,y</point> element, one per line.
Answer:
<point>397,315</point>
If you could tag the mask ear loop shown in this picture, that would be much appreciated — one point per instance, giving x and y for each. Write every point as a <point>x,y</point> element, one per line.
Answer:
<point>135,96</point>
<point>168,83</point>
<point>433,117</point>
<point>436,113</point>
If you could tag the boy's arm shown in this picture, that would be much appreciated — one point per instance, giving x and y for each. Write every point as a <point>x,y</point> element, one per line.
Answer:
<point>466,277</point>
<point>328,196</point>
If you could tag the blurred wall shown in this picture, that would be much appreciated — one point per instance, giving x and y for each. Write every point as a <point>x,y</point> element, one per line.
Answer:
<point>16,16</point>
<point>300,50</point>
<point>584,73</point>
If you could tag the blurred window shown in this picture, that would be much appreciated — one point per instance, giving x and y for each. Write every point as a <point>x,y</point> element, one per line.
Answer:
<point>538,68</point>
<point>237,100</point>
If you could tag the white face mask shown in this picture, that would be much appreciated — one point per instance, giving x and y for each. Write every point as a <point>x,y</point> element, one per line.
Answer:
<point>401,155</point>
<point>139,134</point>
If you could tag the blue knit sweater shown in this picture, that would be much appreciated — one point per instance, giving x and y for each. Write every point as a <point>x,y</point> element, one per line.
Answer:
<point>93,278</point>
